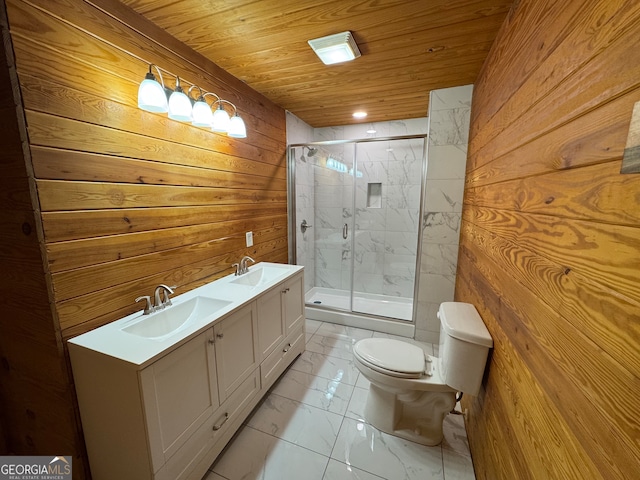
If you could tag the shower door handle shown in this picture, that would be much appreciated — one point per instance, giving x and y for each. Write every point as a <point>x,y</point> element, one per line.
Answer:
<point>345,231</point>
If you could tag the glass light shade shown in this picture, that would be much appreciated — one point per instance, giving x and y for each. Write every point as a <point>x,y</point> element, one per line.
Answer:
<point>201,114</point>
<point>335,54</point>
<point>220,121</point>
<point>179,106</point>
<point>237,128</point>
<point>151,95</point>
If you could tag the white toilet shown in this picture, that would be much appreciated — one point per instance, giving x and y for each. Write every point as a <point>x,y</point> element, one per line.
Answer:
<point>411,392</point>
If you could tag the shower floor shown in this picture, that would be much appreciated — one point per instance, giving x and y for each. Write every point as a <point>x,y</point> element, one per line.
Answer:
<point>379,305</point>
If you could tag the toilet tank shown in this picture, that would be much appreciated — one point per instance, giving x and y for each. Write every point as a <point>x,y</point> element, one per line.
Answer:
<point>464,345</point>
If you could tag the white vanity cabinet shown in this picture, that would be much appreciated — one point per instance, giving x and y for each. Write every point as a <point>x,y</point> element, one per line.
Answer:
<point>168,417</point>
<point>293,305</point>
<point>185,393</point>
<point>179,393</point>
<point>281,336</point>
<point>271,328</point>
<point>236,349</point>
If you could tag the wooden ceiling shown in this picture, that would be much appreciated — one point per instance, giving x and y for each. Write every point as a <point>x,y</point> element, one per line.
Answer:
<point>409,47</point>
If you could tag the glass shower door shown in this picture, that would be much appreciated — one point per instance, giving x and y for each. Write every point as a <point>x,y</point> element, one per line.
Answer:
<point>331,217</point>
<point>388,178</point>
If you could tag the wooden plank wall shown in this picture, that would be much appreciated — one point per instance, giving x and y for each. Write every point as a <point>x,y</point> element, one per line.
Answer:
<point>131,199</point>
<point>33,371</point>
<point>550,246</point>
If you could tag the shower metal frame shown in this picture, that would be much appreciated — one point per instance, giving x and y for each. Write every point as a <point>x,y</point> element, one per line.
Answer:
<point>292,223</point>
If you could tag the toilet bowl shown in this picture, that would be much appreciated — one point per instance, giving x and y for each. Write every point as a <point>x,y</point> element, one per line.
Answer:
<point>411,392</point>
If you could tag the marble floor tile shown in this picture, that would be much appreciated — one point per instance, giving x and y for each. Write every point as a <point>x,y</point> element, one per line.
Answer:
<point>312,325</point>
<point>332,394</point>
<point>331,346</point>
<point>455,434</point>
<point>343,332</point>
<point>362,446</point>
<point>256,455</point>
<point>295,422</point>
<point>342,471</point>
<point>358,400</point>
<point>327,367</point>
<point>457,466</point>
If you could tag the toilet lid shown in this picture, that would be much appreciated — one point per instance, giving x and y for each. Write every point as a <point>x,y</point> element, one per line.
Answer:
<point>391,355</point>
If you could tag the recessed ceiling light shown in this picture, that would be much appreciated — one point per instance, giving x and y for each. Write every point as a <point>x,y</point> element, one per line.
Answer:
<point>337,48</point>
<point>359,114</point>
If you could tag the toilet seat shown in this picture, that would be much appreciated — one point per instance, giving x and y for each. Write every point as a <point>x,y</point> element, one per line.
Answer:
<point>391,357</point>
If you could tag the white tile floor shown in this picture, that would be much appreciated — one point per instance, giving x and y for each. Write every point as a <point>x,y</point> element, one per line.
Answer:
<point>310,426</point>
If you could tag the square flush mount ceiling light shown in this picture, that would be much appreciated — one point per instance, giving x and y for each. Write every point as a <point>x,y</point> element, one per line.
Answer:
<point>337,48</point>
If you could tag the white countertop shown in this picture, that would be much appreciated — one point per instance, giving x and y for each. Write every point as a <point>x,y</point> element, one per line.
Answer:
<point>111,340</point>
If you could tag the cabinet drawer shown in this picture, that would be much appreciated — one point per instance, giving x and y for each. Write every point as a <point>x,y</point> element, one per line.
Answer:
<point>180,465</point>
<point>236,403</point>
<point>281,358</point>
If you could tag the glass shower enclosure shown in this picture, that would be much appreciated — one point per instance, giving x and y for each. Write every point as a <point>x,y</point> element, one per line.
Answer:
<point>355,210</point>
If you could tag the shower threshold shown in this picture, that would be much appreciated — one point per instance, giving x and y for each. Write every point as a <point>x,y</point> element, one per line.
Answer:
<point>377,312</point>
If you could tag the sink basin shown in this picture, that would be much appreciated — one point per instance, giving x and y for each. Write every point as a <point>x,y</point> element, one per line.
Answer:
<point>259,276</point>
<point>174,318</point>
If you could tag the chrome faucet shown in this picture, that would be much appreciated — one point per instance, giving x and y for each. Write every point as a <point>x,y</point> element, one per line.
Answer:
<point>242,267</point>
<point>166,301</point>
<point>160,303</point>
<point>148,308</point>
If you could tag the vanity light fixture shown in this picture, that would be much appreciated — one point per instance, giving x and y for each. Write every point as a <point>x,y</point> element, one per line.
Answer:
<point>337,48</point>
<point>201,115</point>
<point>179,104</point>
<point>152,96</point>
<point>234,126</point>
<point>221,119</point>
<point>155,97</point>
<point>237,129</point>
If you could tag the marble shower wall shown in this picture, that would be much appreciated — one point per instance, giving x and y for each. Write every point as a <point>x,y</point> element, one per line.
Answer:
<point>386,234</point>
<point>449,114</point>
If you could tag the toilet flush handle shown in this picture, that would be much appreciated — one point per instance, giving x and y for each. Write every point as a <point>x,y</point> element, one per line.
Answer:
<point>428,370</point>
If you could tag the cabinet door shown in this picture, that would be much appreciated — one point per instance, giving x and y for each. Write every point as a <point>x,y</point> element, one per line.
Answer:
<point>180,393</point>
<point>270,323</point>
<point>236,349</point>
<point>293,303</point>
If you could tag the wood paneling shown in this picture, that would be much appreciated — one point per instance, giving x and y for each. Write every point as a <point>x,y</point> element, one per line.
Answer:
<point>409,47</point>
<point>37,403</point>
<point>125,199</point>
<point>549,244</point>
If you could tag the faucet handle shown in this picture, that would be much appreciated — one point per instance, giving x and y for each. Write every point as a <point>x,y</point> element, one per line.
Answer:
<point>168,291</point>
<point>165,302</point>
<point>237,265</point>
<point>149,306</point>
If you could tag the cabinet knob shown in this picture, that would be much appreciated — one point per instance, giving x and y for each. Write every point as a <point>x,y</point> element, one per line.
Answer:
<point>285,290</point>
<point>220,335</point>
<point>212,341</point>
<point>286,349</point>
